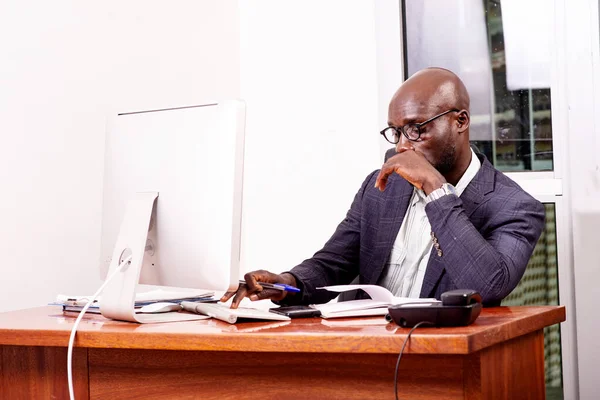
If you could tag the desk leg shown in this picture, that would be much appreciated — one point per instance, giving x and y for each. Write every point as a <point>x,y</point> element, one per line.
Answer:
<point>508,370</point>
<point>33,372</point>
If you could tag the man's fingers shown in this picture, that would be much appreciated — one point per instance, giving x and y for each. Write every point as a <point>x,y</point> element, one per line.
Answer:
<point>227,296</point>
<point>268,294</point>
<point>239,296</point>
<point>396,163</point>
<point>382,177</point>
<point>252,282</point>
<point>254,290</point>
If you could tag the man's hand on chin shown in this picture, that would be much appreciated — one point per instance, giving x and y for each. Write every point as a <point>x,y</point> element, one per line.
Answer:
<point>412,166</point>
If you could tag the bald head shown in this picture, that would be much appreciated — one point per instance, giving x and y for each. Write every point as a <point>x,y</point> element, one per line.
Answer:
<point>433,89</point>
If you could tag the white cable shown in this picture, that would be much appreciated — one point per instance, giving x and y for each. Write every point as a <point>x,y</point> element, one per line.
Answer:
<point>74,330</point>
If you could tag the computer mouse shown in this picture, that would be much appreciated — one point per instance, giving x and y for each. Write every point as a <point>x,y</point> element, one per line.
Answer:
<point>160,307</point>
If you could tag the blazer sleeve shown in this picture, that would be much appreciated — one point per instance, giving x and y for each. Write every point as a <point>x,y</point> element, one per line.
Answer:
<point>337,263</point>
<point>493,259</point>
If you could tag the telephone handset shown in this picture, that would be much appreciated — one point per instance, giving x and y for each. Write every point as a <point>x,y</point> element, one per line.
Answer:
<point>459,308</point>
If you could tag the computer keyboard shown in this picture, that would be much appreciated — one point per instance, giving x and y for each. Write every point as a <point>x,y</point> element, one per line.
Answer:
<point>168,317</point>
<point>224,313</point>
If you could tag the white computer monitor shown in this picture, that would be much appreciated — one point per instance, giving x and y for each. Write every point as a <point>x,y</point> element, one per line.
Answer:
<point>173,181</point>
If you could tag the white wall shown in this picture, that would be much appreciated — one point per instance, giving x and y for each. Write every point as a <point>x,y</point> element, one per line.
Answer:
<point>390,60</point>
<point>582,76</point>
<point>308,76</point>
<point>66,65</point>
<point>307,70</point>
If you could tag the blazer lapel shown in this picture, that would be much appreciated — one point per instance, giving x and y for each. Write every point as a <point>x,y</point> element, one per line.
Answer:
<point>397,196</point>
<point>482,184</point>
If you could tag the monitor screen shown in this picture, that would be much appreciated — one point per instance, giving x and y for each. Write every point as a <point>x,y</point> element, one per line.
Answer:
<point>192,157</point>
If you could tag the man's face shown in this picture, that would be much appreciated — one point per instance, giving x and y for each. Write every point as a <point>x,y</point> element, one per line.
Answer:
<point>438,140</point>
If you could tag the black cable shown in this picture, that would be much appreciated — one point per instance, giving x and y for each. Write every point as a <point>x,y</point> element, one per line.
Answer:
<point>402,351</point>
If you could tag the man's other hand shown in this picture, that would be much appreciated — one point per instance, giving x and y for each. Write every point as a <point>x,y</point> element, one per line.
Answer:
<point>254,291</point>
<point>412,166</point>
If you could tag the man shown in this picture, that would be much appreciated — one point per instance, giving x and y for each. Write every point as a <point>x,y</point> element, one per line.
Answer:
<point>435,217</point>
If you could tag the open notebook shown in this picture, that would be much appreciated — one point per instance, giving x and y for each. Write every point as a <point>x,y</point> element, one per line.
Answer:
<point>378,304</point>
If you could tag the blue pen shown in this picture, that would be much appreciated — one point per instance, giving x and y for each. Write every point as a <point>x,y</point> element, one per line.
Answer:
<point>276,286</point>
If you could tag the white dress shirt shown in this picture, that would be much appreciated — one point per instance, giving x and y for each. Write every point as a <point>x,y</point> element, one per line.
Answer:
<point>406,266</point>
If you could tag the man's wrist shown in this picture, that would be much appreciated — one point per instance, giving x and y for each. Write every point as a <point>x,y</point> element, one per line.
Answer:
<point>445,190</point>
<point>433,184</point>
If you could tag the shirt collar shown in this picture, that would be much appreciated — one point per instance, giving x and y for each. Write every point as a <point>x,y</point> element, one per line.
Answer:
<point>469,174</point>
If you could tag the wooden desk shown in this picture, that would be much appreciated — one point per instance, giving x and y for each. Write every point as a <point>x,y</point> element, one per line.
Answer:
<point>500,356</point>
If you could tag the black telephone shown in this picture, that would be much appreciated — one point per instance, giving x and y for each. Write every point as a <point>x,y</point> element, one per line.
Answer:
<point>459,308</point>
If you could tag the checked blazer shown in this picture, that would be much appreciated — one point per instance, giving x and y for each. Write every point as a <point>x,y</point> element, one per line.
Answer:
<point>485,239</point>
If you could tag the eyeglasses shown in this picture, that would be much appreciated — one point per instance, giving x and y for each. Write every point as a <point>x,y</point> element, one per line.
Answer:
<point>411,131</point>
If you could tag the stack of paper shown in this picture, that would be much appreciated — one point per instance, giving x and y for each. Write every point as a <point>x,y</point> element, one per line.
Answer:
<point>378,304</point>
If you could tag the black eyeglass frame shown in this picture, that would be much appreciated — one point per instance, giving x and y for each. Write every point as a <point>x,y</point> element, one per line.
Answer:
<point>417,125</point>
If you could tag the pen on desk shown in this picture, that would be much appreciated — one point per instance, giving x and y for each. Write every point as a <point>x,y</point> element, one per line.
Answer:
<point>276,286</point>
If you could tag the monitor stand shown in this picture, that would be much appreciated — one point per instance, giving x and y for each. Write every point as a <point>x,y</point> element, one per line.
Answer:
<point>136,238</point>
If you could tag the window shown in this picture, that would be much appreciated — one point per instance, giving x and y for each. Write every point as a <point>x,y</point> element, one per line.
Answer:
<point>501,49</point>
<point>510,113</point>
